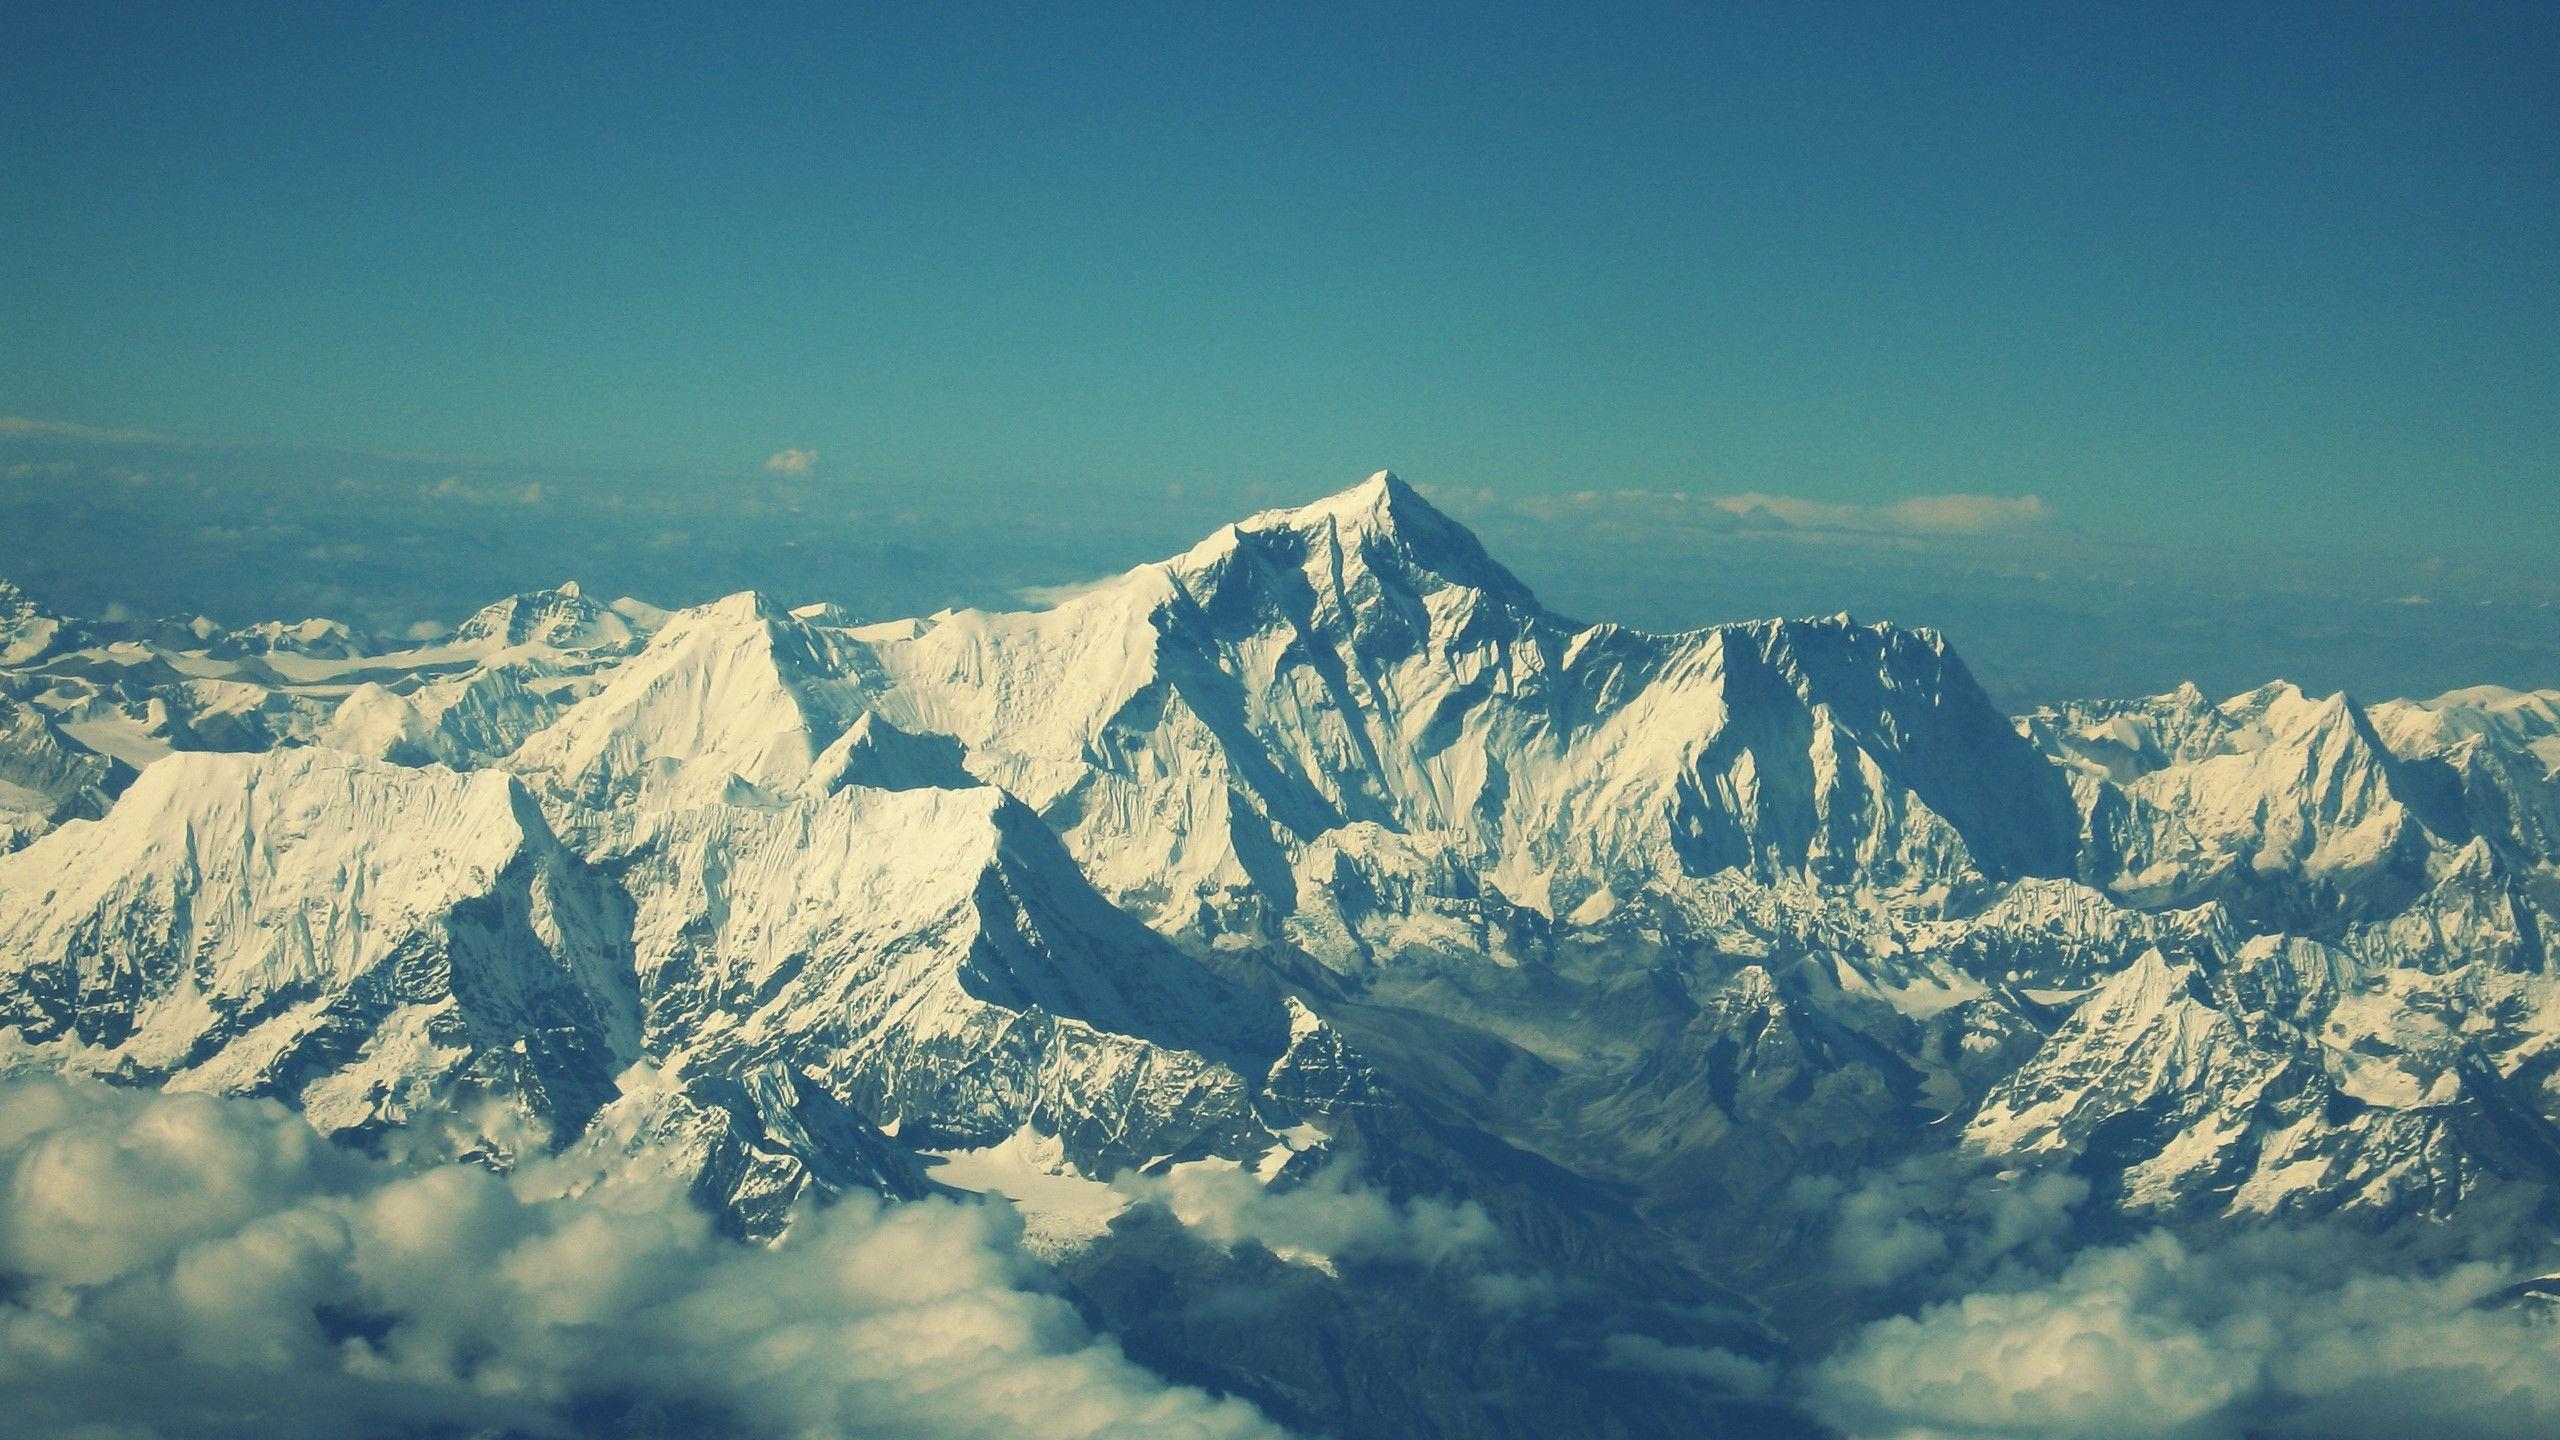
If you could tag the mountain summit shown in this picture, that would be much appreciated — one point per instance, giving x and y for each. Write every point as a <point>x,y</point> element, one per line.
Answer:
<point>1382,527</point>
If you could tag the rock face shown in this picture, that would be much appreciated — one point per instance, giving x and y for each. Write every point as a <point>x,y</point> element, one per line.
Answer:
<point>1323,835</point>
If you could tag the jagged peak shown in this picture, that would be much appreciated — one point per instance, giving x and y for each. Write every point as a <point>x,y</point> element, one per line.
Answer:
<point>27,628</point>
<point>2251,706</point>
<point>1774,638</point>
<point>561,616</point>
<point>2154,990</point>
<point>874,753</point>
<point>2282,712</point>
<point>1380,523</point>
<point>827,613</point>
<point>1826,650</point>
<point>16,603</point>
<point>746,607</point>
<point>1381,504</point>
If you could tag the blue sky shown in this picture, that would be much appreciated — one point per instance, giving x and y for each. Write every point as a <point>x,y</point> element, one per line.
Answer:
<point>2252,291</point>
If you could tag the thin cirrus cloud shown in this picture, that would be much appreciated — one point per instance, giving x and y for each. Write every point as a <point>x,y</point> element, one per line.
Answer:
<point>20,427</point>
<point>1958,514</point>
<point>1951,515</point>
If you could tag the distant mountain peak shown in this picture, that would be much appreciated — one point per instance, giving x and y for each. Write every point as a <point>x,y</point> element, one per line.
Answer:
<point>26,627</point>
<point>16,603</point>
<point>562,617</point>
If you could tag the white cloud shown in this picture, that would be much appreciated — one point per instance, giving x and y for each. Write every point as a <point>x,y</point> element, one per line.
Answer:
<point>792,462</point>
<point>1327,1217</point>
<point>1926,1216</point>
<point>492,491</point>
<point>188,1266</point>
<point>1049,597</point>
<point>2082,1360</point>
<point>2153,1339</point>
<point>1913,515</point>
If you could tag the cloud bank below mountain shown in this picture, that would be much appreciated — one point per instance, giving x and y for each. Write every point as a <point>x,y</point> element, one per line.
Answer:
<point>277,1286</point>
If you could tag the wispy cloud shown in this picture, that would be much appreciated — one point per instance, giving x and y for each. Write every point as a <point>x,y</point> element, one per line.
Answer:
<point>19,427</point>
<point>1958,514</point>
<point>792,462</point>
<point>1954,514</point>
<point>1049,597</point>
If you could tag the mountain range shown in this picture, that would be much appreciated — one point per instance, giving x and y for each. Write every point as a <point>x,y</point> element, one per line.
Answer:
<point>1319,860</point>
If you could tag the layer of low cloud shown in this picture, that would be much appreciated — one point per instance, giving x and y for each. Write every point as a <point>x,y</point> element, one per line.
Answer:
<point>186,1266</point>
<point>2155,1339</point>
<point>1937,1216</point>
<point>1915,515</point>
<point>1330,1216</point>
<point>2015,1324</point>
<point>1716,1369</point>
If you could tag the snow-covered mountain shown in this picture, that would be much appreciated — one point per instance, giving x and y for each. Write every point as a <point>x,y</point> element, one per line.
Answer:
<point>380,945</point>
<point>1322,841</point>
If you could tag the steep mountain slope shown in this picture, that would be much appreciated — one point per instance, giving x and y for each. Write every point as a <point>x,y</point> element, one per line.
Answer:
<point>734,692</point>
<point>45,778</point>
<point>932,958</point>
<point>1192,727</point>
<point>378,945</point>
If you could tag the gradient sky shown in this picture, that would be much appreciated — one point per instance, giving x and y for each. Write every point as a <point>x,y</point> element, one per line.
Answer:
<point>2267,284</point>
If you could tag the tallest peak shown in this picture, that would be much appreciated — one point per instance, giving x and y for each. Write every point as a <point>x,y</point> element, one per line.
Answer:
<point>1390,523</point>
<point>1386,492</point>
<point>1381,503</point>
